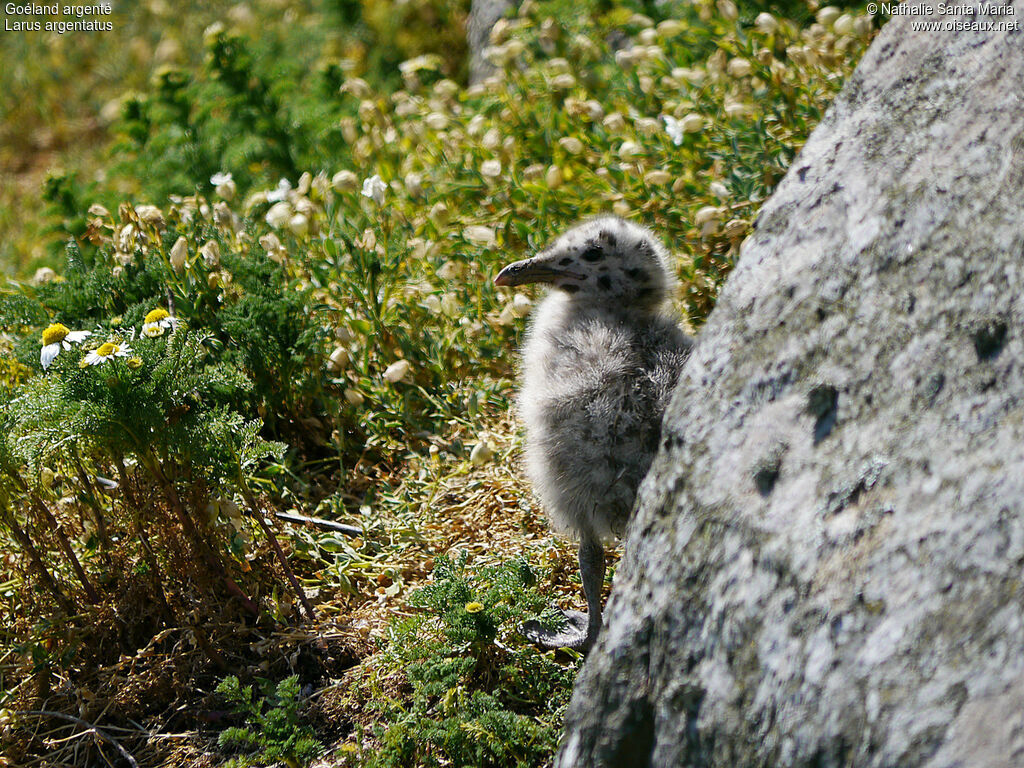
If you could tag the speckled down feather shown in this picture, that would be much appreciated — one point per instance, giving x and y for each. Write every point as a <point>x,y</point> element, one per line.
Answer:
<point>601,359</point>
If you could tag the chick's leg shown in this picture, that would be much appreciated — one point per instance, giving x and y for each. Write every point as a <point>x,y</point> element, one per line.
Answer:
<point>580,630</point>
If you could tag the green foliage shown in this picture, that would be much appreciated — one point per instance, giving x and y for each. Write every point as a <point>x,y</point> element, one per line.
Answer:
<point>273,730</point>
<point>480,696</point>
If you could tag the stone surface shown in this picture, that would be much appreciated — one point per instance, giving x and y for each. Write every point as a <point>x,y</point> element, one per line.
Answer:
<point>825,568</point>
<point>482,16</point>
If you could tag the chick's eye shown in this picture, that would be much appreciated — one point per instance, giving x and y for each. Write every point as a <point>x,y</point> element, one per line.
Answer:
<point>593,253</point>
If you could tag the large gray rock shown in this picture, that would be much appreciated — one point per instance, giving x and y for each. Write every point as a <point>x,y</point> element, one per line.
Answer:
<point>826,564</point>
<point>483,15</point>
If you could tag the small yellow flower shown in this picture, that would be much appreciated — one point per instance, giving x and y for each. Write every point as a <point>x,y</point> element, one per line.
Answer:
<point>474,607</point>
<point>134,362</point>
<point>56,337</point>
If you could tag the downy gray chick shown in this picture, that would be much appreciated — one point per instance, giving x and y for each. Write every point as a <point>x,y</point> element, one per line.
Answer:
<point>602,356</point>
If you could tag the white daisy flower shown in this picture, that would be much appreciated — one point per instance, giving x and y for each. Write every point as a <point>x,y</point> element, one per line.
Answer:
<point>281,193</point>
<point>374,188</point>
<point>105,352</point>
<point>56,337</point>
<point>224,185</point>
<point>674,129</point>
<point>157,321</point>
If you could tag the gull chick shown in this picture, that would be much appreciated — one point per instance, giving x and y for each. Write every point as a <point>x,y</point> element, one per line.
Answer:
<point>602,356</point>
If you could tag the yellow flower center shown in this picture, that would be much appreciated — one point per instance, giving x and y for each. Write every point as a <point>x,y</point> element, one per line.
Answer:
<point>55,333</point>
<point>474,607</point>
<point>134,362</point>
<point>156,316</point>
<point>107,349</point>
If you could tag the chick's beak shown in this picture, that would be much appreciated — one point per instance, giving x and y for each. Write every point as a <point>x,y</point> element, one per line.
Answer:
<point>530,271</point>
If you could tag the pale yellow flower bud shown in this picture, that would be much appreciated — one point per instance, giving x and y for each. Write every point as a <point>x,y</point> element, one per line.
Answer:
<point>629,149</point>
<point>738,68</point>
<point>843,25</point>
<point>279,214</point>
<point>563,82</point>
<point>490,169</point>
<point>210,253</point>
<point>827,16</point>
<point>766,23</point>
<point>179,254</point>
<point>345,181</point>
<point>298,225</point>
<point>480,455</point>
<point>436,121</point>
<point>438,215</point>
<point>338,360</point>
<point>614,122</point>
<point>480,235</point>
<point>397,371</point>
<point>571,144</point>
<point>692,123</point>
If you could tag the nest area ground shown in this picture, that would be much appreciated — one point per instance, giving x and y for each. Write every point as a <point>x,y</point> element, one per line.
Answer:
<point>157,702</point>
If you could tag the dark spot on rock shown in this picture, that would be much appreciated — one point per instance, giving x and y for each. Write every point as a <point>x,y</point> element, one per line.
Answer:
<point>593,254</point>
<point>565,262</point>
<point>821,314</point>
<point>933,386</point>
<point>989,339</point>
<point>823,404</point>
<point>767,469</point>
<point>634,739</point>
<point>605,282</point>
<point>764,479</point>
<point>849,493</point>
